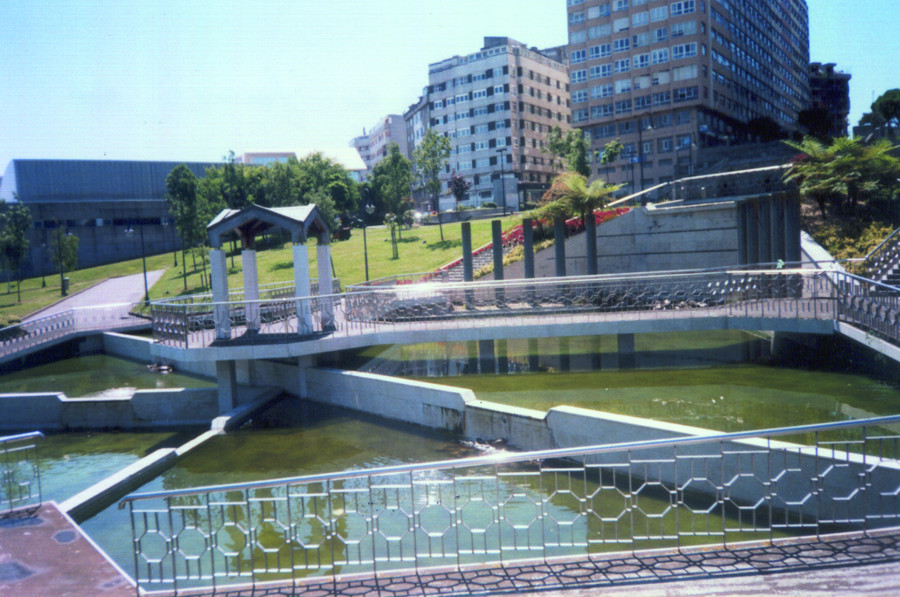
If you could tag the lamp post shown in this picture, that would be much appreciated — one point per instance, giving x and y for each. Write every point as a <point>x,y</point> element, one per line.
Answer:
<point>502,179</point>
<point>370,209</point>
<point>129,232</point>
<point>43,261</point>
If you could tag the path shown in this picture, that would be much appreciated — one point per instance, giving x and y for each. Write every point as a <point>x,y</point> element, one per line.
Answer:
<point>124,289</point>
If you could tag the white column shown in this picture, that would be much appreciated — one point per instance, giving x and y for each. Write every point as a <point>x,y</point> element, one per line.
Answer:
<point>323,256</point>
<point>219,281</point>
<point>251,289</point>
<point>302,288</point>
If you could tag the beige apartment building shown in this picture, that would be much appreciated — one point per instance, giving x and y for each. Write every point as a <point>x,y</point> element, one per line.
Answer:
<point>497,107</point>
<point>672,79</point>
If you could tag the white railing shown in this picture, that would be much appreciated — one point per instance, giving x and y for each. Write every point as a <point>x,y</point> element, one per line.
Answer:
<point>504,507</point>
<point>20,477</point>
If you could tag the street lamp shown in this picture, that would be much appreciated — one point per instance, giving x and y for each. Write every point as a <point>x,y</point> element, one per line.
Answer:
<point>129,232</point>
<point>370,209</point>
<point>502,175</point>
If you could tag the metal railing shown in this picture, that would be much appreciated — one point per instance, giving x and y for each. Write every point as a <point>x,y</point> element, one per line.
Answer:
<point>20,477</point>
<point>872,306</point>
<point>882,259</point>
<point>720,488</point>
<point>36,332</point>
<point>806,294</point>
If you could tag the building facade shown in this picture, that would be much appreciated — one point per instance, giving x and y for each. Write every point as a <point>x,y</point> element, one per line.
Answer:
<point>673,78</point>
<point>497,106</point>
<point>373,146</point>
<point>829,92</point>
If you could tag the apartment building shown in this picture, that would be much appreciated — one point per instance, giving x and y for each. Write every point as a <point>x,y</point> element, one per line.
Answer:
<point>373,146</point>
<point>497,106</point>
<point>671,79</point>
<point>829,91</point>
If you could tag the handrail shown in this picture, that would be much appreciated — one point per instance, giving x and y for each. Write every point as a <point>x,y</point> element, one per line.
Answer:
<point>21,436</point>
<point>20,475</point>
<point>499,458</point>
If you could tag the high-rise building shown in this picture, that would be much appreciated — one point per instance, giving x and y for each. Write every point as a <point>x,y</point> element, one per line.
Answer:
<point>672,78</point>
<point>497,106</point>
<point>373,146</point>
<point>829,92</point>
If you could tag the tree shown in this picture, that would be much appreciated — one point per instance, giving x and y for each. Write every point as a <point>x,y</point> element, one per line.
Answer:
<point>63,253</point>
<point>845,174</point>
<point>611,152</point>
<point>392,177</point>
<point>430,157</point>
<point>573,148</point>
<point>459,186</point>
<point>583,198</point>
<point>887,108</point>
<point>15,222</point>
<point>184,205</point>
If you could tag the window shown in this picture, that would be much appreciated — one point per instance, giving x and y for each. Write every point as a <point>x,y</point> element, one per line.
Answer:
<point>620,25</point>
<point>661,34</point>
<point>576,37</point>
<point>660,78</point>
<point>599,31</point>
<point>623,106</point>
<point>622,45</point>
<point>663,98</point>
<point>626,127</point>
<point>682,7</point>
<point>640,40</point>
<point>599,91</point>
<point>685,28</point>
<point>684,51</point>
<point>620,4</point>
<point>602,111</point>
<point>501,142</point>
<point>683,141</point>
<point>595,12</point>
<point>663,121</point>
<point>466,148</point>
<point>607,130</point>
<point>683,94</point>
<point>642,82</point>
<point>601,70</point>
<point>623,86</point>
<point>659,56</point>
<point>462,98</point>
<point>623,65</point>
<point>448,102</point>
<point>462,115</point>
<point>641,60</point>
<point>437,104</point>
<point>639,19</point>
<point>482,111</point>
<point>664,145</point>
<point>578,56</point>
<point>684,72</point>
<point>465,165</point>
<point>479,94</point>
<point>683,117</point>
<point>600,51</point>
<point>658,14</point>
<point>463,132</point>
<point>576,17</point>
<point>575,2</point>
<point>579,115</point>
<point>579,95</point>
<point>482,145</point>
<point>579,76</point>
<point>498,89</point>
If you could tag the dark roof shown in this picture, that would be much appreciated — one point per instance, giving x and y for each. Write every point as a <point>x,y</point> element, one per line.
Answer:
<point>93,180</point>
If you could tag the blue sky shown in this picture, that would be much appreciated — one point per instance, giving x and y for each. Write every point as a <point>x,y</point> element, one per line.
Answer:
<point>190,80</point>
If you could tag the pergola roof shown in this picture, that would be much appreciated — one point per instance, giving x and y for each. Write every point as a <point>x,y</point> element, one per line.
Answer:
<point>255,219</point>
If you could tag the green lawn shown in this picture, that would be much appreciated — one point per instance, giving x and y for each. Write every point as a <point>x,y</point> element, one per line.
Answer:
<point>421,250</point>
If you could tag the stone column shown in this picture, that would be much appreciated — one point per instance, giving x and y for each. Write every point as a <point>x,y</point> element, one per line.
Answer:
<point>468,267</point>
<point>590,237</point>
<point>752,232</point>
<point>323,256</point>
<point>302,289</point>
<point>792,229</point>
<point>528,246</point>
<point>502,356</point>
<point>218,268</point>
<point>486,356</point>
<point>627,358</point>
<point>534,358</point>
<point>251,289</point>
<point>742,233</point>
<point>559,246</point>
<point>497,240</point>
<point>776,221</point>
<point>227,386</point>
<point>765,232</point>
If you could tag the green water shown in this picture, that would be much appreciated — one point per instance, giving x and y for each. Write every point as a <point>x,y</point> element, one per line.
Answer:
<point>95,376</point>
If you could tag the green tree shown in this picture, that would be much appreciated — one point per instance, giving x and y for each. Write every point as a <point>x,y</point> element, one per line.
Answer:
<point>573,148</point>
<point>392,177</point>
<point>611,152</point>
<point>430,158</point>
<point>845,174</point>
<point>574,192</point>
<point>887,108</point>
<point>63,253</point>
<point>459,186</point>
<point>184,202</point>
<point>15,222</point>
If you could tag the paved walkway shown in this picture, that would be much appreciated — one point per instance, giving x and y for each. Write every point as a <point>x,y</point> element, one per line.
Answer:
<point>853,563</point>
<point>45,553</point>
<point>124,289</point>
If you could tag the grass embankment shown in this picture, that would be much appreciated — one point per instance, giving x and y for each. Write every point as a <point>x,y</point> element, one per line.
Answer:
<point>420,250</point>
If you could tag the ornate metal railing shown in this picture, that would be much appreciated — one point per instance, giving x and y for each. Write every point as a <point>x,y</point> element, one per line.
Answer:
<point>34,333</point>
<point>20,477</point>
<point>870,305</point>
<point>503,507</point>
<point>778,294</point>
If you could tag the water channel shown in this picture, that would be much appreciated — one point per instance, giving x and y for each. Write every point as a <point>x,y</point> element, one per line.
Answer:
<point>720,380</point>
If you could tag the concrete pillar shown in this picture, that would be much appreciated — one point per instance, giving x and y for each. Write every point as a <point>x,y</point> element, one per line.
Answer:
<point>486,356</point>
<point>627,358</point>
<point>565,361</point>
<point>752,232</point>
<point>304,364</point>
<point>302,289</point>
<point>251,289</point>
<point>323,256</point>
<point>596,343</point>
<point>502,357</point>
<point>218,269</point>
<point>497,240</point>
<point>559,246</point>
<point>471,357</point>
<point>227,386</point>
<point>534,357</point>
<point>468,273</point>
<point>590,238</point>
<point>742,233</point>
<point>765,232</point>
<point>528,246</point>
<point>776,222</point>
<point>792,229</point>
